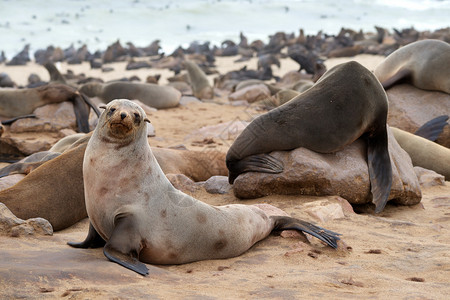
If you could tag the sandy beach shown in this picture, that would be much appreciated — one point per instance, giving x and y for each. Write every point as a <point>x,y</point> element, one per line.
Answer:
<point>401,253</point>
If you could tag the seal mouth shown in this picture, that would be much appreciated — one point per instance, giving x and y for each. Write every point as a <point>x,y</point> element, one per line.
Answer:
<point>120,128</point>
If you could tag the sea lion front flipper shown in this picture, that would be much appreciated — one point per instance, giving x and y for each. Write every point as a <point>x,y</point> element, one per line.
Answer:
<point>433,128</point>
<point>93,240</point>
<point>401,74</point>
<point>380,169</point>
<point>263,163</point>
<point>124,245</point>
<point>287,223</point>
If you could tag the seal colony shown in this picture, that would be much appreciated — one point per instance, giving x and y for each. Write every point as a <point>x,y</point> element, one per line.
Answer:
<point>139,216</point>
<point>348,102</point>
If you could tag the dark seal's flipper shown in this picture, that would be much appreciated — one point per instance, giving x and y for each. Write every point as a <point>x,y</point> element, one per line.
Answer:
<point>433,128</point>
<point>400,75</point>
<point>124,245</point>
<point>287,223</point>
<point>263,163</point>
<point>10,121</point>
<point>380,169</point>
<point>93,240</point>
<point>81,106</point>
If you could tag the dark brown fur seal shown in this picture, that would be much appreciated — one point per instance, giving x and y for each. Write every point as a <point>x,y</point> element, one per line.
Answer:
<point>139,216</point>
<point>347,103</point>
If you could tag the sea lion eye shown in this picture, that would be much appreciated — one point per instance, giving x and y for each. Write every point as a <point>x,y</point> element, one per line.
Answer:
<point>137,117</point>
<point>112,109</point>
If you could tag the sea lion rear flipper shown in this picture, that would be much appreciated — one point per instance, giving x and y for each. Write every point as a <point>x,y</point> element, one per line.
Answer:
<point>401,74</point>
<point>263,163</point>
<point>81,106</point>
<point>380,169</point>
<point>287,223</point>
<point>81,110</point>
<point>123,247</point>
<point>433,128</point>
<point>93,240</point>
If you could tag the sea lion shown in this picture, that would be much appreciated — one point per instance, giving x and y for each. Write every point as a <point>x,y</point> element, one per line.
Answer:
<point>153,95</point>
<point>142,217</point>
<point>424,153</point>
<point>425,63</point>
<point>199,82</point>
<point>18,102</point>
<point>53,191</point>
<point>346,103</point>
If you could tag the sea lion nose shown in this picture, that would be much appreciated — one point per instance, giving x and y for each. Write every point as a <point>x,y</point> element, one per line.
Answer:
<point>123,115</point>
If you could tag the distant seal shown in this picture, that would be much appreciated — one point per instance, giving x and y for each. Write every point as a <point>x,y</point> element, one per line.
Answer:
<point>424,153</point>
<point>425,63</point>
<point>141,216</point>
<point>199,82</point>
<point>153,95</point>
<point>18,102</point>
<point>348,102</point>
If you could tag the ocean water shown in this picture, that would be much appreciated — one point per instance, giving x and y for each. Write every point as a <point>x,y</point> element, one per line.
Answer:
<point>179,22</point>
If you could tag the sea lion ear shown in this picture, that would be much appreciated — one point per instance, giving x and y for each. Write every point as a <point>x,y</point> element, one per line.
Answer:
<point>102,106</point>
<point>147,120</point>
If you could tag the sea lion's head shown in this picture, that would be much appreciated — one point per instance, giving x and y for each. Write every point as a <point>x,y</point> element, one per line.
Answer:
<point>122,121</point>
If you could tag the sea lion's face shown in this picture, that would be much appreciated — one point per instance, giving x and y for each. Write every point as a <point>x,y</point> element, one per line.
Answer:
<point>122,120</point>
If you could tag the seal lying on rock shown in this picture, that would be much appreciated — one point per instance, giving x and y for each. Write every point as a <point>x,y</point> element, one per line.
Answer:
<point>134,208</point>
<point>18,102</point>
<point>348,102</point>
<point>425,63</point>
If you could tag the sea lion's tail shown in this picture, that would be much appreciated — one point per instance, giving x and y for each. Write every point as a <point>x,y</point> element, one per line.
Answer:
<point>433,128</point>
<point>380,169</point>
<point>287,223</point>
<point>263,163</point>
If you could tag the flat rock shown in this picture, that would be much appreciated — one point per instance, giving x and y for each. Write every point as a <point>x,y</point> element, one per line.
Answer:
<point>428,178</point>
<point>224,131</point>
<point>10,180</point>
<point>10,225</point>
<point>50,118</point>
<point>344,173</point>
<point>217,185</point>
<point>410,108</point>
<point>25,147</point>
